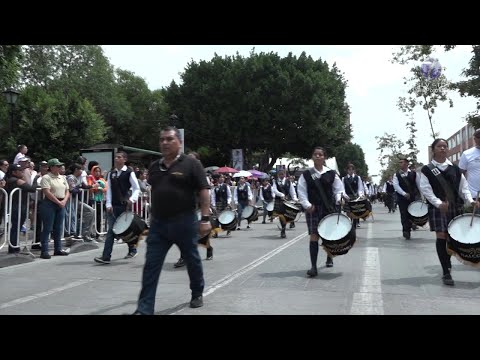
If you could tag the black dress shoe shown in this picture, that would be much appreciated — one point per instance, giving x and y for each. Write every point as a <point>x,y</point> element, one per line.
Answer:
<point>60,253</point>
<point>137,313</point>
<point>329,262</point>
<point>196,302</point>
<point>447,280</point>
<point>179,263</point>
<point>209,253</point>
<point>45,256</point>
<point>312,272</point>
<point>282,234</point>
<point>406,235</point>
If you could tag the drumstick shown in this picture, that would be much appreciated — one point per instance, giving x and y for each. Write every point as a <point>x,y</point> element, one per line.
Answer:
<point>474,208</point>
<point>339,209</point>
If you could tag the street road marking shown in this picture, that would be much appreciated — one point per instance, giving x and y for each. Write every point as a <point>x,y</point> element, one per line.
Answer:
<point>45,293</point>
<point>230,277</point>
<point>368,300</point>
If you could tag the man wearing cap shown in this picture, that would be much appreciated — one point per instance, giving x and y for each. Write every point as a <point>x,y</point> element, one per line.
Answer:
<point>470,165</point>
<point>55,188</point>
<point>405,184</point>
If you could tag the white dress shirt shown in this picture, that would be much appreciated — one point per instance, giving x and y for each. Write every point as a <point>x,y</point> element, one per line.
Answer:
<point>396,183</point>
<point>427,190</point>
<point>235,194</point>
<point>337,188</point>
<point>359,189</point>
<point>292,192</point>
<point>270,187</point>
<point>133,182</point>
<point>213,198</point>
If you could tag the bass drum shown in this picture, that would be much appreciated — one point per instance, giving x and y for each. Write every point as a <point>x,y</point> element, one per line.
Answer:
<point>358,209</point>
<point>418,212</point>
<point>291,211</point>
<point>464,242</point>
<point>337,233</point>
<point>129,226</point>
<point>227,220</point>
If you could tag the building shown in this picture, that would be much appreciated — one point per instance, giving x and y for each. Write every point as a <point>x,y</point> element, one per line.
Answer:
<point>458,143</point>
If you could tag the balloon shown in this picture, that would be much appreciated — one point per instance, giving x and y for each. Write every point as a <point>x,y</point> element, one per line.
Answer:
<point>431,69</point>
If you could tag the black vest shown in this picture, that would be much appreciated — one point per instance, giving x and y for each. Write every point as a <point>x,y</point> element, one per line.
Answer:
<point>408,183</point>
<point>390,188</point>
<point>452,176</point>
<point>221,193</point>
<point>284,189</point>
<point>326,182</point>
<point>267,193</point>
<point>351,185</point>
<point>120,186</point>
<point>242,195</point>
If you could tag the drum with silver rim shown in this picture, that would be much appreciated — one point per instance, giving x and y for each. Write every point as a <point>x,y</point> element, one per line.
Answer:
<point>129,226</point>
<point>227,220</point>
<point>464,242</point>
<point>250,213</point>
<point>337,233</point>
<point>418,212</point>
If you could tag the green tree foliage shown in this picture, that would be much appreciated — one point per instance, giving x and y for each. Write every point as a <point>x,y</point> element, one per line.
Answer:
<point>10,56</point>
<point>55,125</point>
<point>351,154</point>
<point>262,104</point>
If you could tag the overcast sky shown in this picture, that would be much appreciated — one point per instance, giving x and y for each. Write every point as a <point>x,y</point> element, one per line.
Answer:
<point>374,84</point>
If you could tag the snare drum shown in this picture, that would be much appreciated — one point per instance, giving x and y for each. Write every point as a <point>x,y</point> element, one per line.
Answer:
<point>228,220</point>
<point>464,242</point>
<point>291,211</point>
<point>250,213</point>
<point>129,226</point>
<point>337,233</point>
<point>359,209</point>
<point>418,212</point>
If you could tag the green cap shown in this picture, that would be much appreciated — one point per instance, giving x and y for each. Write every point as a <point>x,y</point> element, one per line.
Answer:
<point>54,162</point>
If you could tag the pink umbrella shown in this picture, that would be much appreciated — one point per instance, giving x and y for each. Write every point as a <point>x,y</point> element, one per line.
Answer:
<point>226,169</point>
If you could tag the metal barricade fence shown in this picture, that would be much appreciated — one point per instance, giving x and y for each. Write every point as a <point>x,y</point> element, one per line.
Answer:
<point>4,206</point>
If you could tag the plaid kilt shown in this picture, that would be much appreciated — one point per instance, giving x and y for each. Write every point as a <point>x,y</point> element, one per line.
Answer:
<point>439,222</point>
<point>278,207</point>
<point>313,219</point>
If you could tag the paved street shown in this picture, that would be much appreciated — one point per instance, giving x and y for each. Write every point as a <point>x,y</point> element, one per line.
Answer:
<point>254,271</point>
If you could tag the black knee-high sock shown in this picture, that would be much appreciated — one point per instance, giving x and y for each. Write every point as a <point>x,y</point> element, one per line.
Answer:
<point>443,255</point>
<point>314,253</point>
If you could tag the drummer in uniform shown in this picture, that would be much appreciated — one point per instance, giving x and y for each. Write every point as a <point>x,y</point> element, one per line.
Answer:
<point>319,188</point>
<point>283,190</point>
<point>242,196</point>
<point>221,197</point>
<point>405,184</point>
<point>445,188</point>
<point>353,187</point>
<point>120,180</point>
<point>266,195</point>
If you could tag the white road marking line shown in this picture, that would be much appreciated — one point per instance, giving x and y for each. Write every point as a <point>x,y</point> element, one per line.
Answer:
<point>45,293</point>
<point>232,276</point>
<point>368,300</point>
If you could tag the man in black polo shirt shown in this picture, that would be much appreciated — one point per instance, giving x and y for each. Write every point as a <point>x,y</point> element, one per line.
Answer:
<point>176,181</point>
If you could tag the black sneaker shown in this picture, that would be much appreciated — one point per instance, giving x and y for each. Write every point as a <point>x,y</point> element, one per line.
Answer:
<point>406,235</point>
<point>130,255</point>
<point>292,225</point>
<point>329,262</point>
<point>312,272</point>
<point>36,247</point>
<point>45,256</point>
<point>228,232</point>
<point>137,313</point>
<point>282,234</point>
<point>101,260</point>
<point>209,253</point>
<point>179,263</point>
<point>60,253</point>
<point>196,302</point>
<point>447,280</point>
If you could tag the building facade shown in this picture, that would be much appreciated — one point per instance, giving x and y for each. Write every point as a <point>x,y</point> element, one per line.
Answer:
<point>458,143</point>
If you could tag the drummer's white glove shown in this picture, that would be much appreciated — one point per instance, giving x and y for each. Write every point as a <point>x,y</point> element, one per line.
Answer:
<point>283,196</point>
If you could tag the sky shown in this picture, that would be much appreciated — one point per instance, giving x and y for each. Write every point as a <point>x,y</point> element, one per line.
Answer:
<point>374,84</point>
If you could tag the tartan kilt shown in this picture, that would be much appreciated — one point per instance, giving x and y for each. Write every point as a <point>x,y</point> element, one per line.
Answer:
<point>220,206</point>
<point>278,207</point>
<point>313,219</point>
<point>439,222</point>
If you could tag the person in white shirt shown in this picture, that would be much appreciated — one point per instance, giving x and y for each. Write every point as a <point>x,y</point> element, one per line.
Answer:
<point>242,197</point>
<point>445,198</point>
<point>283,190</point>
<point>405,184</point>
<point>22,151</point>
<point>315,204</point>
<point>470,165</point>
<point>389,192</point>
<point>353,187</point>
<point>267,195</point>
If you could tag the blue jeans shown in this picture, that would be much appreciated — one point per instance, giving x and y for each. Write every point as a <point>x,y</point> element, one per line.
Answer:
<point>109,238</point>
<point>53,217</point>
<point>71,216</point>
<point>181,230</point>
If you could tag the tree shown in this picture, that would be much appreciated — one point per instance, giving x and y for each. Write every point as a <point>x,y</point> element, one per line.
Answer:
<point>262,104</point>
<point>389,146</point>
<point>412,145</point>
<point>427,92</point>
<point>351,154</point>
<point>10,56</point>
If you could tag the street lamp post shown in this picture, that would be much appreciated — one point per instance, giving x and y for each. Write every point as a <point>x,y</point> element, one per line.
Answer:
<point>11,97</point>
